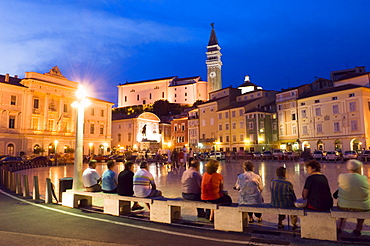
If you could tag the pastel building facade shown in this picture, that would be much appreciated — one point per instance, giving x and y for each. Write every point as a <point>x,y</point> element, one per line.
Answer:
<point>37,116</point>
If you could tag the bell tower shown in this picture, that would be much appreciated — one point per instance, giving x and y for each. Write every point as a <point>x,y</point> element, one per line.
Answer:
<point>213,63</point>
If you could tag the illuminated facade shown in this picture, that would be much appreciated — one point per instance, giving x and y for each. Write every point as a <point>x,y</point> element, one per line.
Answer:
<point>37,117</point>
<point>136,132</point>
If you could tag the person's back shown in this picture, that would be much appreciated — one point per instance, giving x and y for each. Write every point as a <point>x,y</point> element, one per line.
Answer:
<point>282,193</point>
<point>91,178</point>
<point>353,191</point>
<point>125,181</point>
<point>109,180</point>
<point>144,185</point>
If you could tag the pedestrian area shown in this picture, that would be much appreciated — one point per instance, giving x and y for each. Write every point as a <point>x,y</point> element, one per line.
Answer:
<point>169,182</point>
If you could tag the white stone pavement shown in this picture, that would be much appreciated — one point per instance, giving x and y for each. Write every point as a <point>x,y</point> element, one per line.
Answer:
<point>169,182</point>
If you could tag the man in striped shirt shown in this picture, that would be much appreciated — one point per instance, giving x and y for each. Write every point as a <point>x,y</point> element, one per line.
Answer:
<point>144,185</point>
<point>282,195</point>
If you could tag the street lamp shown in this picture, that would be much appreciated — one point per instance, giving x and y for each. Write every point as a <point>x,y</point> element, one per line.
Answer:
<point>80,105</point>
<point>55,152</point>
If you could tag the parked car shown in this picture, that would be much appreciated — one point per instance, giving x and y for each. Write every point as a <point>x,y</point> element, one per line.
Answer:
<point>365,155</point>
<point>217,156</point>
<point>267,155</point>
<point>10,159</point>
<point>100,158</point>
<point>39,161</point>
<point>350,154</point>
<point>117,158</point>
<point>257,155</point>
<point>277,153</point>
<point>332,156</point>
<point>318,154</point>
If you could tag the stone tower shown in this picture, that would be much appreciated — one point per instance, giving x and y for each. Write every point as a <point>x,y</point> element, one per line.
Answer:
<point>214,63</point>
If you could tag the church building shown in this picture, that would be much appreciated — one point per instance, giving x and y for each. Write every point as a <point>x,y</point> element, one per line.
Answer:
<point>175,89</point>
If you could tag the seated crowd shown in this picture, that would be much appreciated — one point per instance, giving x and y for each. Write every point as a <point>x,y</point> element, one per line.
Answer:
<point>353,188</point>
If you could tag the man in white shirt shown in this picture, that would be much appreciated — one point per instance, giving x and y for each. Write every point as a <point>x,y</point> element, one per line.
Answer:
<point>91,178</point>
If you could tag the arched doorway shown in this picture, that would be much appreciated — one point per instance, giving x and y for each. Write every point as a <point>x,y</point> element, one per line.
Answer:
<point>305,145</point>
<point>355,144</point>
<point>51,149</point>
<point>320,145</point>
<point>10,149</point>
<point>37,149</point>
<point>101,149</point>
<point>337,145</point>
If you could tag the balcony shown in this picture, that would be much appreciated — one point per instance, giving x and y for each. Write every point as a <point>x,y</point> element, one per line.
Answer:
<point>207,140</point>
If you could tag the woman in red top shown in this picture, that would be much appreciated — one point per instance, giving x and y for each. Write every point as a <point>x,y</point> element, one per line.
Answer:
<point>212,186</point>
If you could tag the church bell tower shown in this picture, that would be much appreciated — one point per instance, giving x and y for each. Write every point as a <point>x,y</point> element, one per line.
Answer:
<point>213,63</point>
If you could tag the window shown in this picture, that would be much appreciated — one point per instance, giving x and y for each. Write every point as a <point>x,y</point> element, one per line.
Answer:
<point>226,115</point>
<point>234,138</point>
<point>280,107</point>
<point>241,111</point>
<point>220,127</point>
<point>234,125</point>
<point>318,111</point>
<point>92,129</point>
<point>219,116</point>
<point>11,122</point>
<point>304,130</point>
<point>10,149</point>
<point>302,104</point>
<point>227,139</point>
<point>175,95</point>
<point>241,124</point>
<point>352,106</point>
<point>101,131</point>
<point>92,112</point>
<point>226,126</point>
<point>102,113</point>
<point>125,98</point>
<point>50,125</point>
<point>221,140</point>
<point>150,95</point>
<point>274,126</point>
<point>129,137</point>
<point>119,137</point>
<point>319,128</point>
<point>317,101</point>
<point>212,121</point>
<point>336,127</point>
<point>13,100</point>
<point>354,125</point>
<point>251,137</point>
<point>262,124</point>
<point>336,109</point>
<point>182,127</point>
<point>35,123</point>
<point>186,94</point>
<point>241,137</point>
<point>203,122</point>
<point>293,117</point>
<point>250,125</point>
<point>138,97</point>
<point>303,112</point>
<point>281,130</point>
<point>294,130</point>
<point>65,108</point>
<point>64,126</point>
<point>36,103</point>
<point>351,95</point>
<point>334,98</point>
<point>175,128</point>
<point>162,94</point>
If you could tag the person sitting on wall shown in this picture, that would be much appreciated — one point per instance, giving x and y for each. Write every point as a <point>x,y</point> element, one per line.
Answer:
<point>191,181</point>
<point>109,179</point>
<point>144,185</point>
<point>90,178</point>
<point>283,196</point>
<point>125,183</point>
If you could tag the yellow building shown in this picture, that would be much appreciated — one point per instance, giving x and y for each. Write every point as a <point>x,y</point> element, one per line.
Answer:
<point>335,118</point>
<point>37,117</point>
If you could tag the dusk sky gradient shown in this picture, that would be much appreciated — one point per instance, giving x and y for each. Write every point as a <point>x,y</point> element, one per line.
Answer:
<point>279,44</point>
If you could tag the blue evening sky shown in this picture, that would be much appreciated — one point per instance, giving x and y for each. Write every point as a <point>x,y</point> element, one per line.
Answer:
<point>102,43</point>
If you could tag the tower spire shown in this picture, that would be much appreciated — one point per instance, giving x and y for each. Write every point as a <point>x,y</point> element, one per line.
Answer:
<point>213,39</point>
<point>213,62</point>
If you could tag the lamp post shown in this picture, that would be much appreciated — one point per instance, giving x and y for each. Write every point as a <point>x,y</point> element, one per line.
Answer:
<point>80,105</point>
<point>55,152</point>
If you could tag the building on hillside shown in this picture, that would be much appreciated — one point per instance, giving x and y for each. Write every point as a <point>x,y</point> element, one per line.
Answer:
<point>286,104</point>
<point>37,117</point>
<point>136,132</point>
<point>176,90</point>
<point>335,118</point>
